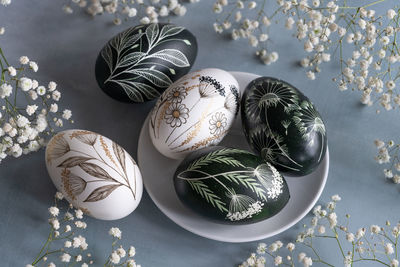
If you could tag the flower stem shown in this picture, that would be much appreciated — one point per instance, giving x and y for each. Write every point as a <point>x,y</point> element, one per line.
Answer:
<point>372,259</point>
<point>38,257</point>
<point>338,242</point>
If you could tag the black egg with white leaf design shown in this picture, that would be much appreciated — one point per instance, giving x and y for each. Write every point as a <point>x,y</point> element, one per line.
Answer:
<point>283,126</point>
<point>139,63</point>
<point>230,185</point>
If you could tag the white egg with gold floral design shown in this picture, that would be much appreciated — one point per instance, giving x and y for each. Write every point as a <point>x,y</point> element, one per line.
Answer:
<point>194,112</point>
<point>94,173</point>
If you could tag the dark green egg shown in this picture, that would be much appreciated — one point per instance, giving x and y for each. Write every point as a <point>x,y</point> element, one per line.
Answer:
<point>139,63</point>
<point>283,126</point>
<point>230,185</point>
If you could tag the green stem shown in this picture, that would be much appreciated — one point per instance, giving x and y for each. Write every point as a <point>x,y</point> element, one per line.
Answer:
<point>376,260</point>
<point>49,239</point>
<point>4,58</point>
<point>48,253</point>
<point>338,242</point>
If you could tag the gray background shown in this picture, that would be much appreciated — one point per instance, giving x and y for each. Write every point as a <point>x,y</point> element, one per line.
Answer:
<point>66,48</point>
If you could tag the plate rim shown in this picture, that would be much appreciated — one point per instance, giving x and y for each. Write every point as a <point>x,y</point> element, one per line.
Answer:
<point>237,240</point>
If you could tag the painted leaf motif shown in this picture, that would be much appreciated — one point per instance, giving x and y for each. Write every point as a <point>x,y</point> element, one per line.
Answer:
<point>131,92</point>
<point>220,156</point>
<point>101,193</point>
<point>205,192</point>
<point>134,90</point>
<point>173,56</point>
<point>170,30</point>
<point>116,41</point>
<point>106,53</point>
<point>95,171</point>
<point>73,161</point>
<point>147,90</point>
<point>151,33</point>
<point>119,154</point>
<point>130,59</point>
<point>154,76</point>
<point>131,40</point>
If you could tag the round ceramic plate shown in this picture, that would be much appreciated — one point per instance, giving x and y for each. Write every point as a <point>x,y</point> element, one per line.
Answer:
<point>157,172</point>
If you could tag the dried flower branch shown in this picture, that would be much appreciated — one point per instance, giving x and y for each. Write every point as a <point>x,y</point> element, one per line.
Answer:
<point>375,244</point>
<point>324,28</point>
<point>66,244</point>
<point>147,11</point>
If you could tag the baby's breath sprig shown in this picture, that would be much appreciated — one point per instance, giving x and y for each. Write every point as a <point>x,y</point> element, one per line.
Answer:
<point>66,245</point>
<point>118,254</point>
<point>64,239</point>
<point>325,28</point>
<point>29,111</point>
<point>388,153</point>
<point>149,11</point>
<point>372,244</point>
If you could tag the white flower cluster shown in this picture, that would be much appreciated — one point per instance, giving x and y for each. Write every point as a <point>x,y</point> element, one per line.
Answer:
<point>323,28</point>
<point>64,230</point>
<point>252,209</point>
<point>5,2</point>
<point>380,245</point>
<point>118,254</point>
<point>389,153</point>
<point>149,11</point>
<point>373,65</point>
<point>28,110</point>
<point>275,190</point>
<point>254,30</point>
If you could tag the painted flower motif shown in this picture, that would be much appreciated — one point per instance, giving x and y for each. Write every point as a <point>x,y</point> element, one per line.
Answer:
<point>242,206</point>
<point>176,114</point>
<point>73,184</point>
<point>217,123</point>
<point>270,178</point>
<point>209,87</point>
<point>177,94</point>
<point>286,124</point>
<point>308,120</point>
<point>86,137</point>
<point>268,94</point>
<point>57,148</point>
<point>309,123</point>
<point>271,144</point>
<point>232,101</point>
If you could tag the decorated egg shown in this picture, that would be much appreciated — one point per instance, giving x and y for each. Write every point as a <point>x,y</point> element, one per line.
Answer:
<point>194,112</point>
<point>230,185</point>
<point>139,63</point>
<point>283,126</point>
<point>94,174</point>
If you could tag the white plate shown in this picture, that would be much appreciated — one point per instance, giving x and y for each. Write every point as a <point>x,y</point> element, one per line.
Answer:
<point>157,172</point>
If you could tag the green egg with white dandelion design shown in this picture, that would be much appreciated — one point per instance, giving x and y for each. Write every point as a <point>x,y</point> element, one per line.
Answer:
<point>138,64</point>
<point>283,126</point>
<point>230,185</point>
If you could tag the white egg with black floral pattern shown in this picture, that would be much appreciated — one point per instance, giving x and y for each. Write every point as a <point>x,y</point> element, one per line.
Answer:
<point>196,111</point>
<point>94,174</point>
